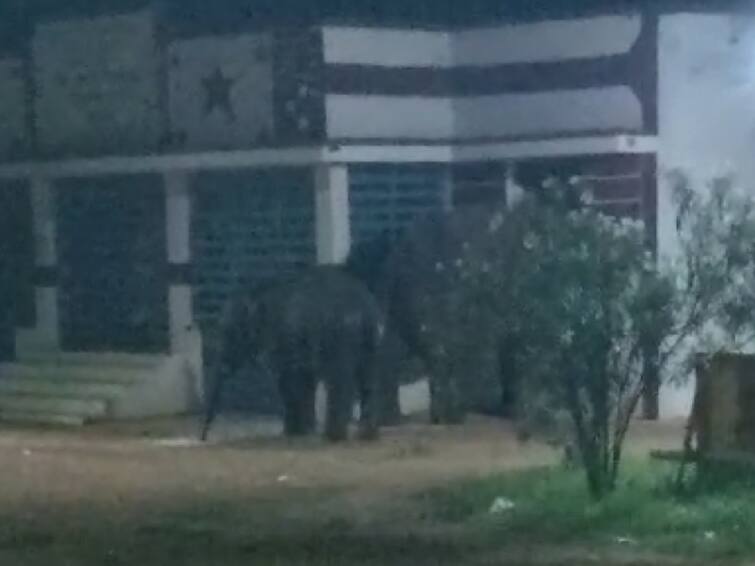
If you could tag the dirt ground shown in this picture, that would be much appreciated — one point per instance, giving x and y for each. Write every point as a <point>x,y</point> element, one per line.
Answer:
<point>105,464</point>
<point>56,486</point>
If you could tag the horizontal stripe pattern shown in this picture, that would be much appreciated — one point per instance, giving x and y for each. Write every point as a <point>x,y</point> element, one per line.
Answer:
<point>471,81</point>
<point>470,118</point>
<point>523,43</point>
<point>547,41</point>
<point>387,47</point>
<point>415,117</point>
<point>402,85</point>
<point>563,111</point>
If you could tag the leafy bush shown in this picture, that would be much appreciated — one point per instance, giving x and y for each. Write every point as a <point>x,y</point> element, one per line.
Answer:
<point>593,314</point>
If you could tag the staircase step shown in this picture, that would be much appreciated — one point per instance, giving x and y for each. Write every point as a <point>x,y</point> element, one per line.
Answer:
<point>78,389</point>
<point>73,373</point>
<point>24,417</point>
<point>78,360</point>
<point>85,408</point>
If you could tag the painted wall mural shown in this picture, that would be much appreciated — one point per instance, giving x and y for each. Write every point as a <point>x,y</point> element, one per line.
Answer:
<point>221,92</point>
<point>539,80</point>
<point>113,85</point>
<point>97,85</point>
<point>299,86</point>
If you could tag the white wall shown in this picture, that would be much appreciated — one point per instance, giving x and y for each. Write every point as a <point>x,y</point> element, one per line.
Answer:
<point>387,47</point>
<point>507,115</point>
<point>547,41</point>
<point>389,117</point>
<point>442,115</point>
<point>707,119</point>
<point>523,43</point>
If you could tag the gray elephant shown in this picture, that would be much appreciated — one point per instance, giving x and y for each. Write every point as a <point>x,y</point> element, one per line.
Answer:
<point>469,366</point>
<point>321,325</point>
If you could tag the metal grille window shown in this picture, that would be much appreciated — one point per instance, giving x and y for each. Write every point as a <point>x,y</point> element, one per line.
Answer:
<point>113,268</point>
<point>388,198</point>
<point>248,226</point>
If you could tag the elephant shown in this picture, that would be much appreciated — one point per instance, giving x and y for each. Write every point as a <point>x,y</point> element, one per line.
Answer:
<point>403,272</point>
<point>320,325</point>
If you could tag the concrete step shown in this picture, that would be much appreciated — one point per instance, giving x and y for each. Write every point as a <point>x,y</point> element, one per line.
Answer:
<point>74,373</point>
<point>69,406</point>
<point>107,359</point>
<point>79,389</point>
<point>51,419</point>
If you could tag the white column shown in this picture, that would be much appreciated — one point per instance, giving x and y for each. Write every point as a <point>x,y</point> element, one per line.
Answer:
<point>332,214</point>
<point>514,192</point>
<point>45,336</point>
<point>178,226</point>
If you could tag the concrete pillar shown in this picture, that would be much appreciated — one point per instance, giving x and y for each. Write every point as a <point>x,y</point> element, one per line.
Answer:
<point>45,335</point>
<point>514,192</point>
<point>178,226</point>
<point>185,337</point>
<point>332,214</point>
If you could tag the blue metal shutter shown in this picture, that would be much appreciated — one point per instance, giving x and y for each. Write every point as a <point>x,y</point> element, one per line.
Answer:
<point>388,198</point>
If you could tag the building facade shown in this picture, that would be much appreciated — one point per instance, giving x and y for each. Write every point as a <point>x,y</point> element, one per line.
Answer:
<point>145,172</point>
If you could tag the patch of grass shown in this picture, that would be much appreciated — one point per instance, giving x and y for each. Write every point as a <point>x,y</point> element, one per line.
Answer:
<point>552,507</point>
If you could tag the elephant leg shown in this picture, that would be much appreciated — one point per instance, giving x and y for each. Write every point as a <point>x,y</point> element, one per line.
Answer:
<point>388,397</point>
<point>444,408</point>
<point>291,421</point>
<point>508,398</point>
<point>340,405</point>
<point>446,400</point>
<point>213,407</point>
<point>509,386</point>
<point>307,397</point>
<point>370,405</point>
<point>338,416</point>
<point>436,395</point>
<point>438,375</point>
<point>390,364</point>
<point>291,391</point>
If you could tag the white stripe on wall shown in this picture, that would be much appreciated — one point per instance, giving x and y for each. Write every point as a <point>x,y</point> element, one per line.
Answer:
<point>387,47</point>
<point>389,117</point>
<point>547,41</point>
<point>396,117</point>
<point>524,43</point>
<point>543,112</point>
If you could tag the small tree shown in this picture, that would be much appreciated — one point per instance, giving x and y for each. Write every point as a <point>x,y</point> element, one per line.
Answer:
<point>594,312</point>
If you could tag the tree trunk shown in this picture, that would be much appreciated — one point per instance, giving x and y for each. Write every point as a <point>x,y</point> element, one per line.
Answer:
<point>651,399</point>
<point>651,386</point>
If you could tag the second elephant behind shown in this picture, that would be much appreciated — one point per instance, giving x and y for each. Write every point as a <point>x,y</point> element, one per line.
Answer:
<point>320,326</point>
